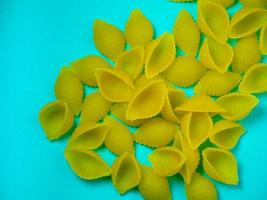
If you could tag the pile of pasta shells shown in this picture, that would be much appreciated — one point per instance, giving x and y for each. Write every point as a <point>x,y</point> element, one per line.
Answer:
<point>141,86</point>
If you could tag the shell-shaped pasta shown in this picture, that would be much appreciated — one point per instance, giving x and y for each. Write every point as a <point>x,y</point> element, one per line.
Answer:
<point>224,3</point>
<point>131,61</point>
<point>263,40</point>
<point>56,119</point>
<point>69,88</point>
<point>200,103</point>
<point>155,132</point>
<point>141,106</point>
<point>220,165</point>
<point>149,48</point>
<point>119,111</point>
<point>238,105</point>
<point>108,39</point>
<point>94,107</point>
<point>167,161</point>
<point>255,79</point>
<point>173,98</point>
<point>213,20</point>
<point>119,139</point>
<point>186,33</point>
<point>161,56</point>
<point>88,135</point>
<point>115,85</point>
<point>225,134</point>
<point>153,186</point>
<point>196,127</point>
<point>216,56</point>
<point>246,21</point>
<point>126,172</point>
<point>216,84</point>
<point>254,3</point>
<point>87,164</point>
<point>200,188</point>
<point>246,53</point>
<point>185,71</point>
<point>85,68</point>
<point>138,30</point>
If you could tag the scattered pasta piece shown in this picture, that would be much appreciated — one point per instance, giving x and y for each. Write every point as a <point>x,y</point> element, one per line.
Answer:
<point>254,3</point>
<point>224,3</point>
<point>263,40</point>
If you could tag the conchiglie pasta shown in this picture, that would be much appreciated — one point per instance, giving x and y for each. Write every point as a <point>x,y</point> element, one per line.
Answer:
<point>220,165</point>
<point>139,30</point>
<point>70,89</point>
<point>155,132</point>
<point>108,39</point>
<point>263,40</point>
<point>186,33</point>
<point>87,164</point>
<point>254,3</point>
<point>224,3</point>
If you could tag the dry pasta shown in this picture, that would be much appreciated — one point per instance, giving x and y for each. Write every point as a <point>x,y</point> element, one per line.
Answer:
<point>254,3</point>
<point>224,3</point>
<point>263,40</point>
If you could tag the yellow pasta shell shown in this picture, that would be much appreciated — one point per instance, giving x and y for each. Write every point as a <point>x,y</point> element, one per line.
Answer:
<point>70,89</point>
<point>56,119</point>
<point>213,20</point>
<point>263,40</point>
<point>254,3</point>
<point>185,71</point>
<point>167,161</point>
<point>86,164</point>
<point>246,53</point>
<point>126,173</point>
<point>108,39</point>
<point>246,21</point>
<point>255,79</point>
<point>224,3</point>
<point>153,186</point>
<point>225,134</point>
<point>238,105</point>
<point>161,55</point>
<point>216,56</point>
<point>216,84</point>
<point>88,135</point>
<point>131,61</point>
<point>114,85</point>
<point>85,68</point>
<point>220,165</point>
<point>156,132</point>
<point>94,107</point>
<point>139,30</point>
<point>119,139</point>
<point>186,33</point>
<point>141,106</point>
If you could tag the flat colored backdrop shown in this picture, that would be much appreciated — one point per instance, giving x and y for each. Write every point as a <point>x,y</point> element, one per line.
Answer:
<point>37,38</point>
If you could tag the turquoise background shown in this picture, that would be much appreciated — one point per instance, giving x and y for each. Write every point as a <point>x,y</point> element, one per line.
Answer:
<point>36,39</point>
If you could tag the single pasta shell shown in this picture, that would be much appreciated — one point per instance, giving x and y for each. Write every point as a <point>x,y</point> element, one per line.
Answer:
<point>126,172</point>
<point>213,20</point>
<point>246,21</point>
<point>138,30</point>
<point>214,83</point>
<point>246,53</point>
<point>156,132</point>
<point>161,56</point>
<point>114,85</point>
<point>225,134</point>
<point>185,71</point>
<point>119,139</point>
<point>108,39</point>
<point>154,186</point>
<point>220,165</point>
<point>186,33</point>
<point>86,164</point>
<point>254,3</point>
<point>224,3</point>
<point>263,40</point>
<point>167,161</point>
<point>85,68</point>
<point>216,56</point>
<point>238,105</point>
<point>141,106</point>
<point>131,61</point>
<point>88,135</point>
<point>94,107</point>
<point>255,79</point>
<point>56,119</point>
<point>69,88</point>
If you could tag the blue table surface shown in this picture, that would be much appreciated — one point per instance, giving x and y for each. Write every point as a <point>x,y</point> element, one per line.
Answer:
<point>37,38</point>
